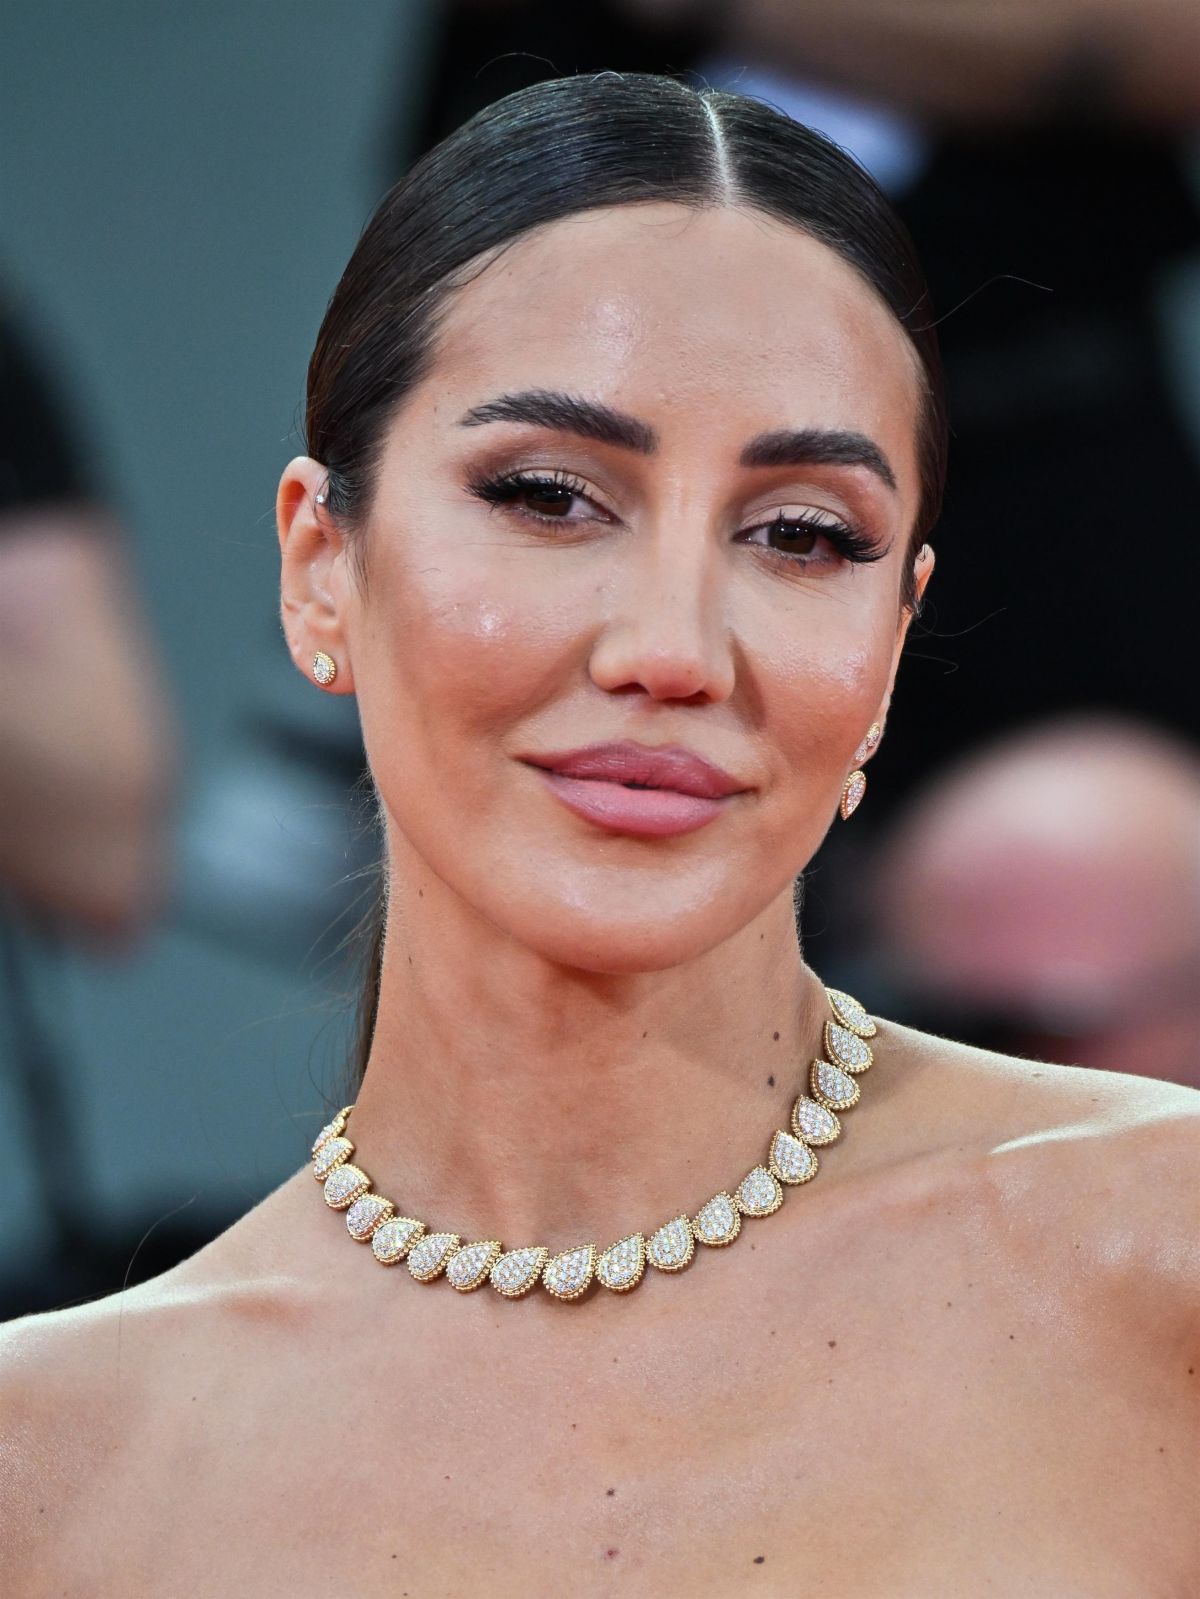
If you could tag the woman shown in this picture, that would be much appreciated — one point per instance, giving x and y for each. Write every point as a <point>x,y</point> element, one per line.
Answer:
<point>625,438</point>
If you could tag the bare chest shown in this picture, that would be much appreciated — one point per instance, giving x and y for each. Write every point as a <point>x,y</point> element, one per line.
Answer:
<point>899,1422</point>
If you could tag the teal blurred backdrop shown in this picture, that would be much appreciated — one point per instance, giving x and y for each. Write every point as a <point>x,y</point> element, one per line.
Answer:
<point>180,187</point>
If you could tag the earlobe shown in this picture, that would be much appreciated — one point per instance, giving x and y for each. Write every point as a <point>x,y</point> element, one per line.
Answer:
<point>312,554</point>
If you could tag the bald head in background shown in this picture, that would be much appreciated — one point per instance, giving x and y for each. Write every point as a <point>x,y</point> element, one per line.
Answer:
<point>1053,879</point>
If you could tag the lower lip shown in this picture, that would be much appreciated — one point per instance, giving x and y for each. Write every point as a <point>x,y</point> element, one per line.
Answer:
<point>648,812</point>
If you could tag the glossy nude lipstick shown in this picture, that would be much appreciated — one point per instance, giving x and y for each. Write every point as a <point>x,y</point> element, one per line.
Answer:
<point>638,789</point>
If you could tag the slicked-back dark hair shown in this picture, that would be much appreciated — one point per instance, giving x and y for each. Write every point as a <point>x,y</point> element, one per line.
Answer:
<point>549,151</point>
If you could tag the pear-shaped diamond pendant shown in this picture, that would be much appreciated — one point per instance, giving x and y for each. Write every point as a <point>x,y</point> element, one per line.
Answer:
<point>850,1013</point>
<point>331,1153</point>
<point>791,1160</point>
<point>514,1274</point>
<point>331,1129</point>
<point>717,1222</point>
<point>470,1265</point>
<point>343,1186</point>
<point>569,1274</point>
<point>853,790</point>
<point>365,1215</point>
<point>621,1265</point>
<point>814,1123</point>
<point>428,1256</point>
<point>832,1087</point>
<point>759,1193</point>
<point>846,1049</point>
<point>672,1246</point>
<point>393,1239</point>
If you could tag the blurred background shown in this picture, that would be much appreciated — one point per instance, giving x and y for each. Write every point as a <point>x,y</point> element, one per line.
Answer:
<point>186,844</point>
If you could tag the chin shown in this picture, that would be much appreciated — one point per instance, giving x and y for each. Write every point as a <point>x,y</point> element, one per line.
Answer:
<point>619,949</point>
<point>622,922</point>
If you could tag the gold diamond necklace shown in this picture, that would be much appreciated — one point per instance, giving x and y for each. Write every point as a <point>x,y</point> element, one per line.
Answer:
<point>791,1159</point>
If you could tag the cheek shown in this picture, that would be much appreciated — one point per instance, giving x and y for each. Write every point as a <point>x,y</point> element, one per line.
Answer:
<point>821,677</point>
<point>465,642</point>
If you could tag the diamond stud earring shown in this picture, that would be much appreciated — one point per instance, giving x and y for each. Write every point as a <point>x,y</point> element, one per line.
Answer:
<point>324,668</point>
<point>870,740</point>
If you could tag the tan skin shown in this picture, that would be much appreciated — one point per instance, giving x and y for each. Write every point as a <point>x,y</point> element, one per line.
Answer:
<point>916,1378</point>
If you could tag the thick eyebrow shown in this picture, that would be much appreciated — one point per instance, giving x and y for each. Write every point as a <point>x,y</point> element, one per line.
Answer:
<point>567,413</point>
<point>548,408</point>
<point>818,447</point>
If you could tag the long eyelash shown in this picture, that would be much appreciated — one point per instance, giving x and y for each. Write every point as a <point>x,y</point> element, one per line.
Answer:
<point>510,486</point>
<point>850,544</point>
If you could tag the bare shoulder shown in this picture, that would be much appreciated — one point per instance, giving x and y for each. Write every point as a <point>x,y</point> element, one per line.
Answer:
<point>996,1099</point>
<point>97,1357</point>
<point>1102,1166</point>
<point>71,1383</point>
<point>84,1390</point>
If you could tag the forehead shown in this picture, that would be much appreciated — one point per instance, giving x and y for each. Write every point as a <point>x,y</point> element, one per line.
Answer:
<point>664,309</point>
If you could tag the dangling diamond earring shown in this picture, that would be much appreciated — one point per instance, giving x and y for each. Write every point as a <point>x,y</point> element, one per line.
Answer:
<point>324,668</point>
<point>853,790</point>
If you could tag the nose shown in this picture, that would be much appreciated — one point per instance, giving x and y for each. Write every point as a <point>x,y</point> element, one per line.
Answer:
<point>666,633</point>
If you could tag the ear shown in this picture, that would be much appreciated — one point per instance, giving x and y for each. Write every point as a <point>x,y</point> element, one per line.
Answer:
<point>314,577</point>
<point>922,572</point>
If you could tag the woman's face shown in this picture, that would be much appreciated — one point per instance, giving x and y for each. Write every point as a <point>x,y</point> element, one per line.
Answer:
<point>687,578</point>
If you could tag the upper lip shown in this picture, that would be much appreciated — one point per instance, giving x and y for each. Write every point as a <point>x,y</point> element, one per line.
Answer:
<point>665,766</point>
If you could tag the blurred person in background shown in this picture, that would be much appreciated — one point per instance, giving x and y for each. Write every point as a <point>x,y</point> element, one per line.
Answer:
<point>1042,896</point>
<point>87,776</point>
<point>624,455</point>
<point>87,745</point>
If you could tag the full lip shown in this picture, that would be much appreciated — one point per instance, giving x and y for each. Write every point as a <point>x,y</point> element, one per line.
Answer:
<point>639,766</point>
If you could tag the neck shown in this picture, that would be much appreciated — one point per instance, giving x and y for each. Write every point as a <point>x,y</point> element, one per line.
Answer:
<point>507,1097</point>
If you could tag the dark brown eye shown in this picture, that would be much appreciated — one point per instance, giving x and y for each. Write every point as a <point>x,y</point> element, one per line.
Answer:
<point>816,539</point>
<point>793,538</point>
<point>547,499</point>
